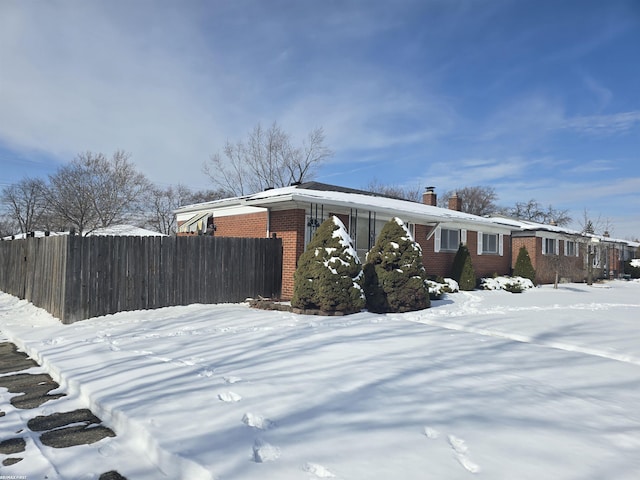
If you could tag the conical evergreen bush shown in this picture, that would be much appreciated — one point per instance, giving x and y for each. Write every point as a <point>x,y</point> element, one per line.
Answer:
<point>524,267</point>
<point>462,269</point>
<point>395,278</point>
<point>329,274</point>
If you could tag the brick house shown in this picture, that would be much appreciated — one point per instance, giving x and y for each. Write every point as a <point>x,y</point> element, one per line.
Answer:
<point>294,213</point>
<point>568,252</point>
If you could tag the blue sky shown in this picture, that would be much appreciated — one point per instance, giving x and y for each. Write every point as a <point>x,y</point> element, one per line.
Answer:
<point>538,99</point>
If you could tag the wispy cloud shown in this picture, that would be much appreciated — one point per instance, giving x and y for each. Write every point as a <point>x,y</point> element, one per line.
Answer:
<point>617,123</point>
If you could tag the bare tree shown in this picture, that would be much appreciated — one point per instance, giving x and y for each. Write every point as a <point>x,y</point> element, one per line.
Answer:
<point>7,227</point>
<point>93,191</point>
<point>477,200</point>
<point>163,202</point>
<point>595,225</point>
<point>535,212</point>
<point>267,159</point>
<point>25,203</point>
<point>411,193</point>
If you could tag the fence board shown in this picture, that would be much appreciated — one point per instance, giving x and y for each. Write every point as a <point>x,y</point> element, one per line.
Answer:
<point>81,277</point>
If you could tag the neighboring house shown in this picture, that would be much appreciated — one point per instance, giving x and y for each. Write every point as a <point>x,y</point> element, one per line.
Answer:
<point>114,230</point>
<point>294,213</point>
<point>568,253</point>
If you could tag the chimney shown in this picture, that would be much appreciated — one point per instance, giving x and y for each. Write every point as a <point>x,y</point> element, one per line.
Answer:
<point>606,234</point>
<point>455,202</point>
<point>429,197</point>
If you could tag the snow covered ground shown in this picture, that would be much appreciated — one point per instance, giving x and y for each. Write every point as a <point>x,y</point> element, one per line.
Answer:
<point>486,384</point>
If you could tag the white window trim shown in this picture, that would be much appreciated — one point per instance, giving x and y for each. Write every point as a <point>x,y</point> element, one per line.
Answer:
<point>499,240</point>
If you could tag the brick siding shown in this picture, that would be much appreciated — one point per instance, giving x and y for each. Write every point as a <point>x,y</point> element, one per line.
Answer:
<point>440,264</point>
<point>250,225</point>
<point>289,225</point>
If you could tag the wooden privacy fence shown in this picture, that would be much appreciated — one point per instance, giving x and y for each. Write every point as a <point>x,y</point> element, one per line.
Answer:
<point>75,278</point>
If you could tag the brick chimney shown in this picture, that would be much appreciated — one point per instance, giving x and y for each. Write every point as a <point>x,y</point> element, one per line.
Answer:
<point>429,196</point>
<point>455,202</point>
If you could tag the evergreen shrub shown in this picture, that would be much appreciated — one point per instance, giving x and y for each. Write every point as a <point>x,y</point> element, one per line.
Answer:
<point>329,273</point>
<point>524,267</point>
<point>395,278</point>
<point>462,270</point>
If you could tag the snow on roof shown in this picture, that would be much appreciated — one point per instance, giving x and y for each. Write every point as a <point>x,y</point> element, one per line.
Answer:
<point>527,225</point>
<point>37,234</point>
<point>125,231</point>
<point>391,206</point>
<point>332,195</point>
<point>114,230</point>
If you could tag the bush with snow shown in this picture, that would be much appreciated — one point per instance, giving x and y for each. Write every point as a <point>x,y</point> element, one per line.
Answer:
<point>329,274</point>
<point>395,278</point>
<point>632,268</point>
<point>510,284</point>
<point>440,286</point>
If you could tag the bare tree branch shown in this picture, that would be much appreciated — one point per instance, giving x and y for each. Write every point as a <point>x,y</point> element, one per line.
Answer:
<point>25,203</point>
<point>93,191</point>
<point>477,200</point>
<point>267,159</point>
<point>535,212</point>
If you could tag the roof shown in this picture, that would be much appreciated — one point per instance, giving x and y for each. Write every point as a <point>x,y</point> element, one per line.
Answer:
<point>114,230</point>
<point>344,197</point>
<point>331,195</point>
<point>527,225</point>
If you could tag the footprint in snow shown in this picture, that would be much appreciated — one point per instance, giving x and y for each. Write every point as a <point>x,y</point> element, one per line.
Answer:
<point>460,450</point>
<point>207,372</point>
<point>431,433</point>
<point>317,470</point>
<point>231,379</point>
<point>264,452</point>
<point>229,397</point>
<point>257,421</point>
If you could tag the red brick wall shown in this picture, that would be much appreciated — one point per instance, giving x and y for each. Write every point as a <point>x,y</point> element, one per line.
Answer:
<point>488,264</point>
<point>440,263</point>
<point>533,246</point>
<point>571,267</point>
<point>289,226</point>
<point>250,225</point>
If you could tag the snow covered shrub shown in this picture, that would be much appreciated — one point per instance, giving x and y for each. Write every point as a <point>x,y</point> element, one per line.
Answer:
<point>329,274</point>
<point>523,267</point>
<point>510,284</point>
<point>440,286</point>
<point>395,279</point>
<point>462,270</point>
<point>632,268</point>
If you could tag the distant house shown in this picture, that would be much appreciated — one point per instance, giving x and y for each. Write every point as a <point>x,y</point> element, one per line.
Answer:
<point>294,213</point>
<point>568,253</point>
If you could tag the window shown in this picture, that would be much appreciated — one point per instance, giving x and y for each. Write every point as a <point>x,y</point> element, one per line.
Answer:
<point>449,239</point>
<point>570,249</point>
<point>489,243</point>
<point>549,246</point>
